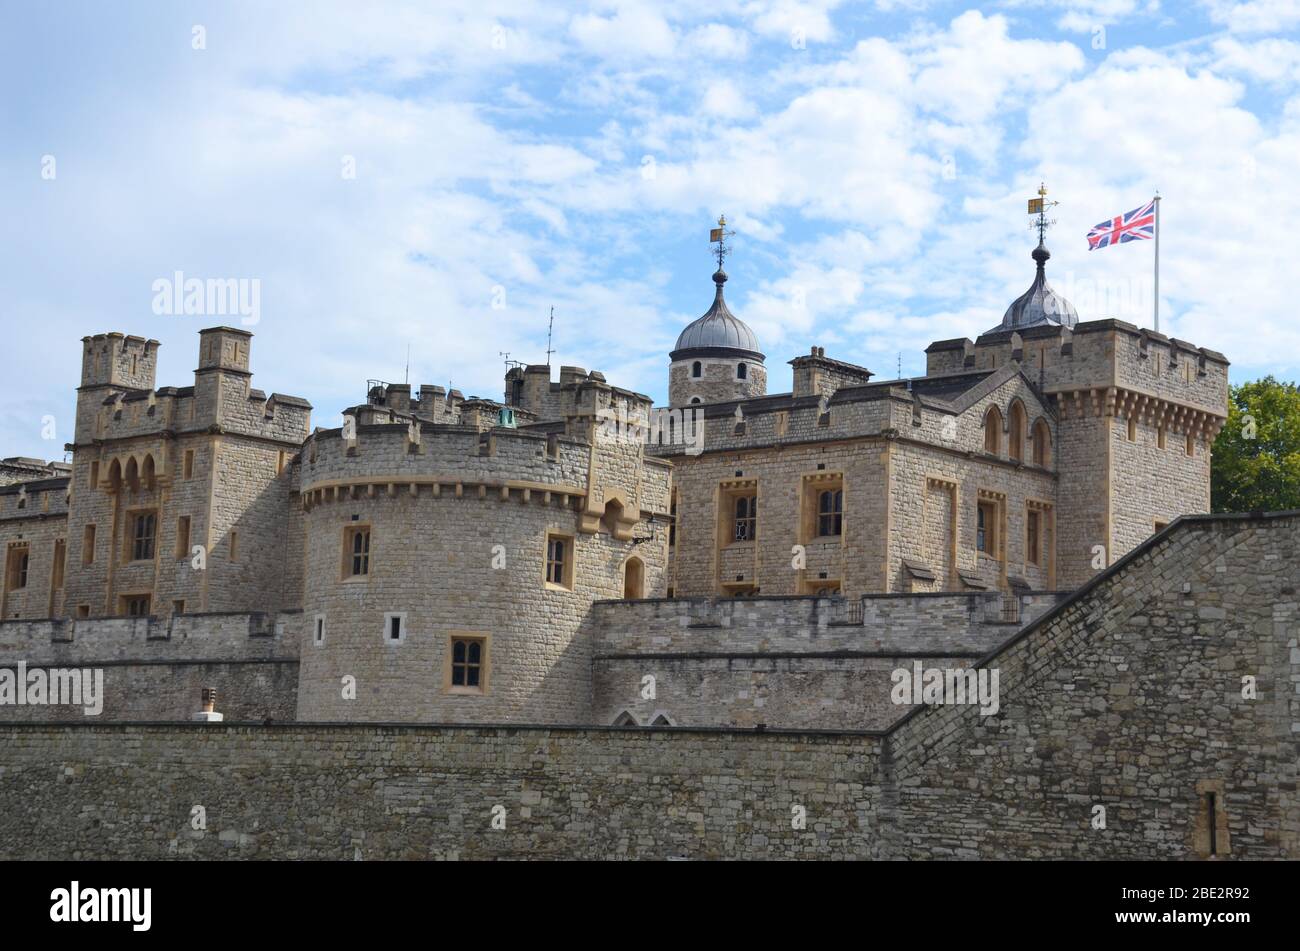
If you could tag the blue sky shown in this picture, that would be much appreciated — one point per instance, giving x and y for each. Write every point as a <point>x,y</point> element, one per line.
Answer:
<point>873,158</point>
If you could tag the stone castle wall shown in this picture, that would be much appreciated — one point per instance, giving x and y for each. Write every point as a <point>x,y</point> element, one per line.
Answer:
<point>1128,695</point>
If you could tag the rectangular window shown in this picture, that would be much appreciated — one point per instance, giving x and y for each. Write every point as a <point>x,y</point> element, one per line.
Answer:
<point>17,566</point>
<point>189,464</point>
<point>143,528</point>
<point>986,528</point>
<point>356,551</point>
<point>394,628</point>
<point>88,545</point>
<point>83,610</point>
<point>318,633</point>
<point>1132,429</point>
<point>745,521</point>
<point>467,671</point>
<point>1160,437</point>
<point>1191,444</point>
<point>136,605</point>
<point>57,569</point>
<point>182,536</point>
<point>178,607</point>
<point>1033,538</point>
<point>234,546</point>
<point>559,561</point>
<point>94,476</point>
<point>830,512</point>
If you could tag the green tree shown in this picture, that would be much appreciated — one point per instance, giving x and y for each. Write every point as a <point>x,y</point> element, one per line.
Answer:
<point>1256,461</point>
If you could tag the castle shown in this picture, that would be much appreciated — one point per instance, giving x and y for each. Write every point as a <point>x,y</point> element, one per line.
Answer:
<point>448,605</point>
<point>473,560</point>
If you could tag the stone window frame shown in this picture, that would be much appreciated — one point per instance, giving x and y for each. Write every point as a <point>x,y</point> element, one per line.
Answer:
<point>178,606</point>
<point>730,491</point>
<point>182,538</point>
<point>88,543</point>
<point>567,565</point>
<point>640,578</point>
<point>18,559</point>
<point>697,369</point>
<point>1191,446</point>
<point>132,539</point>
<point>124,602</point>
<point>318,630</point>
<point>984,499</point>
<point>349,531</point>
<point>742,370</point>
<point>823,587</point>
<point>484,687</point>
<point>1131,432</point>
<point>1046,510</point>
<point>387,631</point>
<point>1042,451</point>
<point>187,464</point>
<point>935,482</point>
<point>59,565</point>
<point>1211,801</point>
<point>812,485</point>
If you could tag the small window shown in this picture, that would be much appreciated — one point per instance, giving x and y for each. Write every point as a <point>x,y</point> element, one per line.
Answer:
<point>83,610</point>
<point>60,558</point>
<point>394,628</point>
<point>234,546</point>
<point>136,605</point>
<point>1160,437</point>
<point>1042,444</point>
<point>17,564</point>
<point>742,371</point>
<point>559,561</point>
<point>1132,429</point>
<point>182,536</point>
<point>745,525</point>
<point>356,551</point>
<point>1016,436</point>
<point>830,512</point>
<point>468,668</point>
<point>22,501</point>
<point>318,631</point>
<point>88,545</point>
<point>1191,445</point>
<point>1159,526</point>
<point>94,475</point>
<point>143,528</point>
<point>695,400</point>
<point>697,369</point>
<point>189,464</point>
<point>1033,536</point>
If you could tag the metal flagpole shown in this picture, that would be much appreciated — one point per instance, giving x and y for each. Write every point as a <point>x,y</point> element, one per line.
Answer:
<point>1156,302</point>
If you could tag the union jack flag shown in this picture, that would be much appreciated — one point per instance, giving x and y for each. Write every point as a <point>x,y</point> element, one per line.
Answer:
<point>1136,225</point>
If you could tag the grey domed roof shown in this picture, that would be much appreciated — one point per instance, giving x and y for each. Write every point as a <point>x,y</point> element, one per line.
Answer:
<point>1040,304</point>
<point>717,329</point>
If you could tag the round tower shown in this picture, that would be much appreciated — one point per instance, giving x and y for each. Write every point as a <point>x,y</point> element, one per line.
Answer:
<point>716,358</point>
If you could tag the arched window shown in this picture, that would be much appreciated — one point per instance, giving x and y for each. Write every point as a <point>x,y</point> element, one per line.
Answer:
<point>695,399</point>
<point>697,368</point>
<point>1016,435</point>
<point>625,719</point>
<point>830,512</point>
<point>742,371</point>
<point>1042,444</point>
<point>993,431</point>
<point>634,578</point>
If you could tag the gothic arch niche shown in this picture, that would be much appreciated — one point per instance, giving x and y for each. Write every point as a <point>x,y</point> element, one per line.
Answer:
<point>115,475</point>
<point>1042,443</point>
<point>625,719</point>
<point>613,513</point>
<point>131,475</point>
<point>148,473</point>
<point>1016,426</point>
<point>661,719</point>
<point>993,431</point>
<point>634,579</point>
